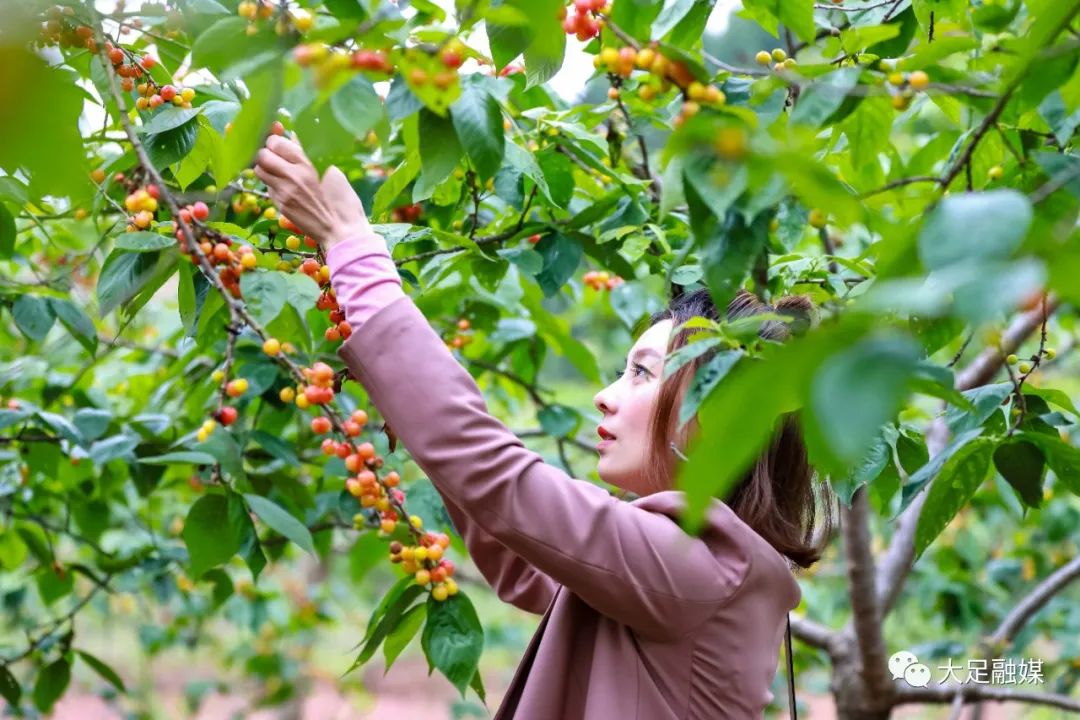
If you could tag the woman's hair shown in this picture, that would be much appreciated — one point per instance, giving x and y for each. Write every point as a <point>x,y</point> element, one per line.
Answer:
<point>776,497</point>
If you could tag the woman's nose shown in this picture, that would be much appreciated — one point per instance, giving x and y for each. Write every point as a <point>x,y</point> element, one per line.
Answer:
<point>604,401</point>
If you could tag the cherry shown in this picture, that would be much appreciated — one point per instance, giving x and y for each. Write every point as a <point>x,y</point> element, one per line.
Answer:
<point>226,415</point>
<point>451,59</point>
<point>320,425</point>
<point>148,62</point>
<point>200,211</point>
<point>236,387</point>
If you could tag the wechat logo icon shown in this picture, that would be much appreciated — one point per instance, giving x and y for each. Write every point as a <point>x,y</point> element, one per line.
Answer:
<point>905,666</point>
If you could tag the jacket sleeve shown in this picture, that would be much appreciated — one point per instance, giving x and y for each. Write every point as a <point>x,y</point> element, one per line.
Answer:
<point>514,580</point>
<point>634,566</point>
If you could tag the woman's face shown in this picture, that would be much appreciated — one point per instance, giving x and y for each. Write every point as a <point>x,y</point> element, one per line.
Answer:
<point>627,405</point>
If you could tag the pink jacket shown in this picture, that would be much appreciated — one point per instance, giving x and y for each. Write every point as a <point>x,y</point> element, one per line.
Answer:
<point>640,620</point>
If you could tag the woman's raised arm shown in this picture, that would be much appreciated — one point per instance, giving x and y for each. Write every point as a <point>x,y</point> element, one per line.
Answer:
<point>634,566</point>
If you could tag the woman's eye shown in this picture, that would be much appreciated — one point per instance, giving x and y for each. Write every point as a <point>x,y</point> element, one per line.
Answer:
<point>637,369</point>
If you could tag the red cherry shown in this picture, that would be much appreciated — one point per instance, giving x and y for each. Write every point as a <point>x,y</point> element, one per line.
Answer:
<point>227,415</point>
<point>168,92</point>
<point>329,446</point>
<point>200,211</point>
<point>320,425</point>
<point>148,62</point>
<point>277,128</point>
<point>344,450</point>
<point>451,59</point>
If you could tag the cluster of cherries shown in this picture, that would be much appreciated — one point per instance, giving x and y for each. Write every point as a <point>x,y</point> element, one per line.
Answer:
<point>328,62</point>
<point>907,84</point>
<point>664,73</point>
<point>339,329</point>
<point>584,23</point>
<point>142,203</point>
<point>407,213</point>
<point>438,68</point>
<point>425,562</point>
<point>461,337</point>
<point>152,96</point>
<point>602,280</point>
<point>319,389</point>
<point>777,58</point>
<point>231,262</point>
<point>299,19</point>
<point>58,29</point>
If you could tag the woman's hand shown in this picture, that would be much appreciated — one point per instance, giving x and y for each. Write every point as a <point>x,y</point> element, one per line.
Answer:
<point>327,210</point>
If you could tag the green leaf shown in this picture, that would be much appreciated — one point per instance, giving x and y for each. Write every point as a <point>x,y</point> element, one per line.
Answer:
<point>252,123</point>
<point>7,232</point>
<point>544,53</point>
<point>33,316</point>
<point>672,15</point>
<point>440,152</point>
<point>186,457</point>
<point>823,97</point>
<point>209,534</point>
<point>389,614</point>
<point>9,687</point>
<point>281,521</point>
<point>226,49</point>
<point>453,639</point>
<point>92,422</point>
<point>51,683</point>
<point>400,637</point>
<point>103,670</point>
<point>1063,459</point>
<point>265,294</point>
<point>766,388</point>
<point>478,122</point>
<point>558,420</point>
<point>966,227</point>
<point>399,179</point>
<point>225,450</point>
<point>207,144</point>
<point>562,255</point>
<point>706,377</point>
<point>77,322</point>
<point>112,448</point>
<point>170,146</point>
<point>796,15</point>
<point>123,276</point>
<point>1022,464</point>
<point>143,242</point>
<point>277,447</point>
<point>357,106</point>
<point>960,477</point>
<point>556,331</point>
<point>168,118</point>
<point>856,392</point>
<point>42,141</point>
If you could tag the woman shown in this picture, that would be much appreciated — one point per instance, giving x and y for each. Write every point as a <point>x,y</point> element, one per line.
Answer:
<point>640,619</point>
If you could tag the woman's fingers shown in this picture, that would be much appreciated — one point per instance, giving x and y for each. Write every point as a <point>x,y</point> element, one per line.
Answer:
<point>267,177</point>
<point>287,149</point>
<point>273,164</point>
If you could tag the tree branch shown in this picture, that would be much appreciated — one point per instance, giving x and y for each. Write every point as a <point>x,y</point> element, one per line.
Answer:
<point>904,693</point>
<point>898,559</point>
<point>865,611</point>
